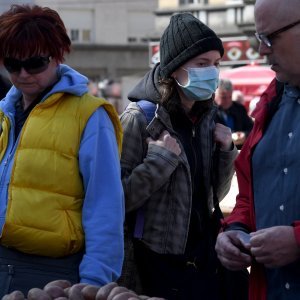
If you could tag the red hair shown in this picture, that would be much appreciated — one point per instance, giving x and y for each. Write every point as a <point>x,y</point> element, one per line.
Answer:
<point>27,31</point>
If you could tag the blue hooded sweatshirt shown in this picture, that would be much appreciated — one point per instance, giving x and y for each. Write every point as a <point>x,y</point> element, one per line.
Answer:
<point>103,205</point>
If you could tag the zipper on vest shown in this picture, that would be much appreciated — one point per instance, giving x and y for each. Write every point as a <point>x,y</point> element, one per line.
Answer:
<point>10,272</point>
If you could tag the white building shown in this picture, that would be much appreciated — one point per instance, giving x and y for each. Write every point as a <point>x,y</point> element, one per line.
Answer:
<point>111,37</point>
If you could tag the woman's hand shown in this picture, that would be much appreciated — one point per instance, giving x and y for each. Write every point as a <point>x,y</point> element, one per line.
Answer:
<point>223,136</point>
<point>166,141</point>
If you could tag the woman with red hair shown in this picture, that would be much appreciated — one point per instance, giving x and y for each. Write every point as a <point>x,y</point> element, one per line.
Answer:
<point>61,197</point>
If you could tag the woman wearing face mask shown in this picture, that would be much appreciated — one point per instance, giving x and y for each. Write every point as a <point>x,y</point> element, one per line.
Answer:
<point>172,179</point>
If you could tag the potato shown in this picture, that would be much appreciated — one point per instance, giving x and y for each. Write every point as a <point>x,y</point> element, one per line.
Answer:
<point>60,283</point>
<point>117,291</point>
<point>38,294</point>
<point>89,292</point>
<point>16,295</point>
<point>105,291</point>
<point>55,291</point>
<point>74,293</point>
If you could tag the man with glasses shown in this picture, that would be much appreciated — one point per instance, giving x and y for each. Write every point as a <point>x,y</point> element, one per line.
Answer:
<point>264,228</point>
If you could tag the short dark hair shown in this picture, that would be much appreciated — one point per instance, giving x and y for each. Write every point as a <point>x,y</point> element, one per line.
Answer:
<point>33,30</point>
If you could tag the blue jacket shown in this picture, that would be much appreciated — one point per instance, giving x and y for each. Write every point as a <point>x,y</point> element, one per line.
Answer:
<point>103,207</point>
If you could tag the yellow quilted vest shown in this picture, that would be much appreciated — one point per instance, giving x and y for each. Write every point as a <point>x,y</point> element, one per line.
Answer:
<point>46,191</point>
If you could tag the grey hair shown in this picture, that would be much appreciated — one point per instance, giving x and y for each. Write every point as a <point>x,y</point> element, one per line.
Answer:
<point>225,84</point>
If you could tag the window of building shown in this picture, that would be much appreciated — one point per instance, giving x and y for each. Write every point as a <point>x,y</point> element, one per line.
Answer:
<point>86,35</point>
<point>144,40</point>
<point>74,35</point>
<point>79,23</point>
<point>132,40</point>
<point>184,2</point>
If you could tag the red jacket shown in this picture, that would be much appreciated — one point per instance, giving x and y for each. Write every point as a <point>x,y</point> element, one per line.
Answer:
<point>243,211</point>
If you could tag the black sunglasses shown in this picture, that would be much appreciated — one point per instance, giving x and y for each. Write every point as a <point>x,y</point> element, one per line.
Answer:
<point>267,39</point>
<point>32,65</point>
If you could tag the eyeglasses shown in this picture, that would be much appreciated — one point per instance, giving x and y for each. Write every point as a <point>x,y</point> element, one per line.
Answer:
<point>32,65</point>
<point>266,39</point>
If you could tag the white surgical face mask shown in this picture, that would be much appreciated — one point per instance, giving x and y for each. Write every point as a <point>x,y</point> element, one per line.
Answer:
<point>202,83</point>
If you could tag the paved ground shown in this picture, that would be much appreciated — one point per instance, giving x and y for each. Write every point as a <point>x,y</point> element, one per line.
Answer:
<point>228,202</point>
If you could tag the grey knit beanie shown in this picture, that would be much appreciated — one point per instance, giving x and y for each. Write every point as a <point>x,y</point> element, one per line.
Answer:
<point>184,38</point>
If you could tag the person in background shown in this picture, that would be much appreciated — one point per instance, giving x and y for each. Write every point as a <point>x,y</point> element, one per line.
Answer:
<point>232,114</point>
<point>252,105</point>
<point>61,196</point>
<point>268,203</point>
<point>175,172</point>
<point>238,96</point>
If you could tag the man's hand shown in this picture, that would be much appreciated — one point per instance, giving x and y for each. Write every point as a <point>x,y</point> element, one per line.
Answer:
<point>223,136</point>
<point>275,246</point>
<point>238,137</point>
<point>166,141</point>
<point>230,247</point>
